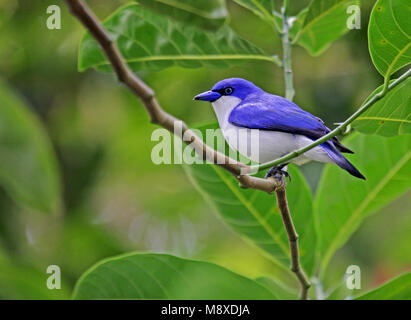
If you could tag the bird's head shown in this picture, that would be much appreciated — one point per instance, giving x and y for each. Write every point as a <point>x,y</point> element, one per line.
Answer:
<point>235,89</point>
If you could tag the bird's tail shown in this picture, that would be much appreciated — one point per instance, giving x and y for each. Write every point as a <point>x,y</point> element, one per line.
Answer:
<point>343,162</point>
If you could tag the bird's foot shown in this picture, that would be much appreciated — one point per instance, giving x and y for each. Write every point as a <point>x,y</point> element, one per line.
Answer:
<point>277,172</point>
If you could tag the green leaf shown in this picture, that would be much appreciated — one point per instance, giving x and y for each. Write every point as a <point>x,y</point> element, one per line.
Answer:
<point>264,9</point>
<point>389,116</point>
<point>343,201</point>
<point>340,292</point>
<point>298,23</point>
<point>324,22</point>
<point>389,35</point>
<point>162,276</point>
<point>281,291</point>
<point>209,15</point>
<point>28,166</point>
<point>152,42</point>
<point>396,289</point>
<point>255,215</point>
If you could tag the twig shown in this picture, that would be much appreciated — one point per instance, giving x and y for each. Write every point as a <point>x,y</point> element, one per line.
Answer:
<point>293,240</point>
<point>153,108</point>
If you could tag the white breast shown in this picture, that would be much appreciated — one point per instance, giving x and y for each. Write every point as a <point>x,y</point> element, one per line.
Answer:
<point>262,145</point>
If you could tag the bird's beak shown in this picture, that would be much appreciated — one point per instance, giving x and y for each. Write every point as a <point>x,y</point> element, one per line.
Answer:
<point>208,96</point>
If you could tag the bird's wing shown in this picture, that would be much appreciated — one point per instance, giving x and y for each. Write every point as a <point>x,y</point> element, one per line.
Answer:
<point>275,113</point>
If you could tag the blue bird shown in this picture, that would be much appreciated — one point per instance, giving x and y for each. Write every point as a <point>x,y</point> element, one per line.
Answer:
<point>282,125</point>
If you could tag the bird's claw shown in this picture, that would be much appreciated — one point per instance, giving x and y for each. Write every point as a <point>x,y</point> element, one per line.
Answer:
<point>277,172</point>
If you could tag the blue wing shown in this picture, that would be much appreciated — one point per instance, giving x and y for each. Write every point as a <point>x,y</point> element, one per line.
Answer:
<point>275,113</point>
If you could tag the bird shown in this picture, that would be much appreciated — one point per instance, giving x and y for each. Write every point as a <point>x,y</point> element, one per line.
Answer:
<point>280,125</point>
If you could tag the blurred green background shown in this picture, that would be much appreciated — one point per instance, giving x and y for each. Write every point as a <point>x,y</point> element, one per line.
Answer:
<point>116,200</point>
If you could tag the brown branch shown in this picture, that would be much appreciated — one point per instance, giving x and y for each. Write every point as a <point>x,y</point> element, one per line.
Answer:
<point>157,115</point>
<point>293,239</point>
<point>167,121</point>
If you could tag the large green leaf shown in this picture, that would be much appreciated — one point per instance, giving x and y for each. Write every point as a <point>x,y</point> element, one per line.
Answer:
<point>343,201</point>
<point>28,167</point>
<point>264,9</point>
<point>255,215</point>
<point>206,14</point>
<point>162,276</point>
<point>281,291</point>
<point>324,22</point>
<point>396,289</point>
<point>389,35</point>
<point>153,42</point>
<point>389,116</point>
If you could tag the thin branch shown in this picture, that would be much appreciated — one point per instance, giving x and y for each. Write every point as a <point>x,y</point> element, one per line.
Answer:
<point>153,108</point>
<point>339,130</point>
<point>293,240</point>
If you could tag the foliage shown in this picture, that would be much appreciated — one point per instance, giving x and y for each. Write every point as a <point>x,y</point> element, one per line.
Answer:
<point>162,276</point>
<point>389,33</point>
<point>391,115</point>
<point>166,43</point>
<point>209,15</point>
<point>28,169</point>
<point>186,34</point>
<point>388,177</point>
<point>264,9</point>
<point>323,22</point>
<point>396,289</point>
<point>252,214</point>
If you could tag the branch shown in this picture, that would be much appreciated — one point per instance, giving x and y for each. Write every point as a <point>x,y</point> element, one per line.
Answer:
<point>293,240</point>
<point>157,115</point>
<point>339,130</point>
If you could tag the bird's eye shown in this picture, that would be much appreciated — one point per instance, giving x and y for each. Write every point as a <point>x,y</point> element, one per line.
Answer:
<point>228,91</point>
